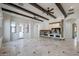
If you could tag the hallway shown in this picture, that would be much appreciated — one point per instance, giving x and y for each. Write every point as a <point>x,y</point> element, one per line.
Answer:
<point>40,47</point>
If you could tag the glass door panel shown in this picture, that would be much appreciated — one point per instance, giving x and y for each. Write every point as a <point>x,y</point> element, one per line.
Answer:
<point>21,31</point>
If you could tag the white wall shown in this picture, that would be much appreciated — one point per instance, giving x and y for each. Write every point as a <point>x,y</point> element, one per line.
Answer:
<point>67,30</point>
<point>77,22</point>
<point>6,27</point>
<point>0,26</point>
<point>44,25</point>
<point>68,25</point>
<point>36,30</point>
<point>33,29</point>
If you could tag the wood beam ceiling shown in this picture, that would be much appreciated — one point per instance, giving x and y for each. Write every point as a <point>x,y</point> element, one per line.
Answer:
<point>18,7</point>
<point>21,14</point>
<point>54,22</point>
<point>42,9</point>
<point>61,9</point>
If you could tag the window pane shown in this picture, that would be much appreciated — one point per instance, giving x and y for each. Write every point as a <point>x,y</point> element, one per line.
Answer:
<point>13,26</point>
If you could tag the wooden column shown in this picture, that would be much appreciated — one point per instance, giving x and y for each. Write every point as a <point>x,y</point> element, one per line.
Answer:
<point>62,28</point>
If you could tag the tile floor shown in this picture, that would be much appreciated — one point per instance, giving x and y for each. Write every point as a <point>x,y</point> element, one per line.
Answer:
<point>40,47</point>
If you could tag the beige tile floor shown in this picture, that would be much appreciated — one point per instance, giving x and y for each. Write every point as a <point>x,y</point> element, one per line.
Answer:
<point>40,47</point>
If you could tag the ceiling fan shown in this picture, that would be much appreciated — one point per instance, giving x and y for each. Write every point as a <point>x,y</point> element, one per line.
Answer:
<point>50,10</point>
<point>70,11</point>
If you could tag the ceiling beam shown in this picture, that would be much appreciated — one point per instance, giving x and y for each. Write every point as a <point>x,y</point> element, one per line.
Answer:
<point>21,14</point>
<point>18,7</point>
<point>54,22</point>
<point>61,9</point>
<point>42,9</point>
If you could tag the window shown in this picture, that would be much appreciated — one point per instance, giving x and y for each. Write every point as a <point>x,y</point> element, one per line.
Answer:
<point>13,27</point>
<point>21,31</point>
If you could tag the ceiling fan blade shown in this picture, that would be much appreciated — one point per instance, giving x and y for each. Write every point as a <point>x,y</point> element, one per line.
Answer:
<point>52,12</point>
<point>70,13</point>
<point>51,9</point>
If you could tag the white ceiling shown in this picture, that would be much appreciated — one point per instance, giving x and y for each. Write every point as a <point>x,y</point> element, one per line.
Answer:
<point>56,10</point>
<point>35,10</point>
<point>74,6</point>
<point>15,9</point>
